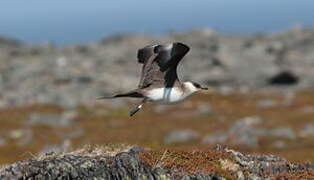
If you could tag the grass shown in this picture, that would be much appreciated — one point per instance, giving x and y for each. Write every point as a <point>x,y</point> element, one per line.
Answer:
<point>188,162</point>
<point>148,128</point>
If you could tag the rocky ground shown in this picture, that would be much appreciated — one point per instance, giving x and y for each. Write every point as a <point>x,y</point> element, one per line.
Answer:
<point>125,162</point>
<point>74,75</point>
<point>262,100</point>
<point>280,124</point>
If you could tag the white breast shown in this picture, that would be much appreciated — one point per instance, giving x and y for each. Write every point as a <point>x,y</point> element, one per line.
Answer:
<point>166,95</point>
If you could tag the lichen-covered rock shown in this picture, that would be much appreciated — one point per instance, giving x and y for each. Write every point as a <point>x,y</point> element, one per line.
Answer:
<point>122,166</point>
<point>263,166</point>
<point>128,163</point>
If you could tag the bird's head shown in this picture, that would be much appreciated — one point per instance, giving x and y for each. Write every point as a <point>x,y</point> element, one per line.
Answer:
<point>193,86</point>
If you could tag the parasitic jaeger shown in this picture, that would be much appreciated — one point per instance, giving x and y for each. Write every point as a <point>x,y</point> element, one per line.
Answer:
<point>159,80</point>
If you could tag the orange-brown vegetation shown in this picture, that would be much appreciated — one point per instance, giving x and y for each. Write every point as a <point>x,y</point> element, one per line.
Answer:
<point>187,162</point>
<point>148,128</point>
<point>295,175</point>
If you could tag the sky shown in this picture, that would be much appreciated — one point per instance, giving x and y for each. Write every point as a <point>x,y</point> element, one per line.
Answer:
<point>77,21</point>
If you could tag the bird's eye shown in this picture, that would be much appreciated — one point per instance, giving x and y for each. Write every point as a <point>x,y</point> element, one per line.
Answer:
<point>196,85</point>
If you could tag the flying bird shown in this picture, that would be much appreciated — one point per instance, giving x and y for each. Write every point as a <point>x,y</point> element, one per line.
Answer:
<point>159,81</point>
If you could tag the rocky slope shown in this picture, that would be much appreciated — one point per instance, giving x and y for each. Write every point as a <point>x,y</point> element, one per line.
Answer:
<point>126,162</point>
<point>55,89</point>
<point>73,75</point>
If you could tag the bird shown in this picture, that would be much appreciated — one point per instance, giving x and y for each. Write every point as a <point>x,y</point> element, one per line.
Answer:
<point>159,81</point>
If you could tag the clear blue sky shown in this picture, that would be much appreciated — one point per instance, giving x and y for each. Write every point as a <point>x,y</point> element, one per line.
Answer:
<point>78,21</point>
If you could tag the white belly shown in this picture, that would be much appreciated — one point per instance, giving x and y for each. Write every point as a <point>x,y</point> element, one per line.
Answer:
<point>166,95</point>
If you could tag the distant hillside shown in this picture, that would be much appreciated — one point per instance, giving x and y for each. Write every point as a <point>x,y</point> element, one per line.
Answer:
<point>78,74</point>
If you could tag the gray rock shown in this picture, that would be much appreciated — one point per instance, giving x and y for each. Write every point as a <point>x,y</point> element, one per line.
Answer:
<point>129,165</point>
<point>255,177</point>
<point>181,136</point>
<point>17,133</point>
<point>73,134</point>
<point>218,137</point>
<point>244,136</point>
<point>282,132</point>
<point>248,121</point>
<point>75,75</point>
<point>27,139</point>
<point>239,175</point>
<point>242,132</point>
<point>204,109</point>
<point>289,98</point>
<point>53,120</point>
<point>226,90</point>
<point>22,137</point>
<point>3,142</point>
<point>308,130</point>
<point>69,115</point>
<point>115,123</point>
<point>266,103</point>
<point>246,132</point>
<point>307,110</point>
<point>101,111</point>
<point>3,103</point>
<point>270,164</point>
<point>279,144</point>
<point>62,147</point>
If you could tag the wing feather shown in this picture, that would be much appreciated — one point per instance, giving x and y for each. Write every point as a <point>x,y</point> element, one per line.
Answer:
<point>160,64</point>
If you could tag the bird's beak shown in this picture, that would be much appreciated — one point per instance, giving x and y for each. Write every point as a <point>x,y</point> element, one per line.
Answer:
<point>204,88</point>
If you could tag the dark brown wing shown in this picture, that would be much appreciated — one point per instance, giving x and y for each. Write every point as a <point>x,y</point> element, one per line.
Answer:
<point>146,56</point>
<point>160,64</point>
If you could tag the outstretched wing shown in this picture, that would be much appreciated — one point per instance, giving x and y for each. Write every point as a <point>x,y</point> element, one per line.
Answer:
<point>160,63</point>
<point>146,56</point>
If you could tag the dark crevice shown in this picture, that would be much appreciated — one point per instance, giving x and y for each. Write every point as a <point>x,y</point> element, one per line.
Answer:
<point>284,78</point>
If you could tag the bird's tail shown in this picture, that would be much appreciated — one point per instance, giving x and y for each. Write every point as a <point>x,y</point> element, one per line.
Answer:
<point>132,94</point>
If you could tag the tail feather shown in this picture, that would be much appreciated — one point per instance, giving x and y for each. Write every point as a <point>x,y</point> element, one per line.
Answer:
<point>133,94</point>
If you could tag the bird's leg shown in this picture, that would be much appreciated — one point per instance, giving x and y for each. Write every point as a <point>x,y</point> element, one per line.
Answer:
<point>138,107</point>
